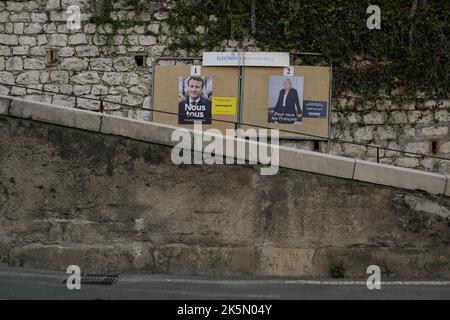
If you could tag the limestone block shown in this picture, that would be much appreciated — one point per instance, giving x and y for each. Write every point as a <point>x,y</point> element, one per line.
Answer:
<point>30,77</point>
<point>57,40</point>
<point>364,134</point>
<point>385,133</point>
<point>18,28</point>
<point>8,39</point>
<point>99,89</point>
<point>53,5</point>
<point>38,51</point>
<point>407,162</point>
<point>86,77</point>
<point>39,17</point>
<point>34,63</point>
<point>112,78</point>
<point>14,6</point>
<point>75,64</point>
<point>21,50</point>
<point>118,90</point>
<point>80,90</point>
<point>59,76</point>
<point>442,115</point>
<point>42,39</point>
<point>6,77</point>
<point>445,147</point>
<point>66,52</point>
<point>147,40</point>
<point>4,16</point>
<point>375,118</point>
<point>27,41</point>
<point>434,131</point>
<point>124,63</point>
<point>14,63</point>
<point>87,51</point>
<point>101,64</point>
<point>417,147</point>
<point>33,28</point>
<point>19,17</point>
<point>133,100</point>
<point>78,38</point>
<point>5,51</point>
<point>88,102</point>
<point>398,117</point>
<point>64,101</point>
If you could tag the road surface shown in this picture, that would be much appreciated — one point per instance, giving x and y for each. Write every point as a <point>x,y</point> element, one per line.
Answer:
<point>22,283</point>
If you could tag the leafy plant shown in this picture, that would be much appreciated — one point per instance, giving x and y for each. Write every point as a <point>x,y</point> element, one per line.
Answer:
<point>336,270</point>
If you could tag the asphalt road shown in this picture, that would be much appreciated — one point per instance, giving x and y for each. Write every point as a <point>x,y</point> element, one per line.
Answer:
<point>21,283</point>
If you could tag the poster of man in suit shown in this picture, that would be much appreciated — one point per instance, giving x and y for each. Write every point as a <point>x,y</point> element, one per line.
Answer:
<point>286,100</point>
<point>194,99</point>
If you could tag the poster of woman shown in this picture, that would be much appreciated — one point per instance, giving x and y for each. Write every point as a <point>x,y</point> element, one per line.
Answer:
<point>285,99</point>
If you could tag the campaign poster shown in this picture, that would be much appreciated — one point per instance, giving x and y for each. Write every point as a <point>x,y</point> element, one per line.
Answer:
<point>315,109</point>
<point>194,99</point>
<point>286,99</point>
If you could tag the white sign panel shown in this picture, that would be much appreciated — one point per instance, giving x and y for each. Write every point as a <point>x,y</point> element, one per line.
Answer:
<point>196,70</point>
<point>288,71</point>
<point>250,59</point>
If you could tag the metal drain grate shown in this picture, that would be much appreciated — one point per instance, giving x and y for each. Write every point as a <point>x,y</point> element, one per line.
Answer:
<point>98,278</point>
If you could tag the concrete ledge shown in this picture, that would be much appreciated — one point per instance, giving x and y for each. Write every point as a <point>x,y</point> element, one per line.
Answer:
<point>325,164</point>
<point>399,177</point>
<point>291,158</point>
<point>136,129</point>
<point>69,117</point>
<point>4,105</point>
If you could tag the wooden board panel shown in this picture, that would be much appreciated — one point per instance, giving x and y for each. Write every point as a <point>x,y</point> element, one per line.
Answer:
<point>256,98</point>
<point>225,84</point>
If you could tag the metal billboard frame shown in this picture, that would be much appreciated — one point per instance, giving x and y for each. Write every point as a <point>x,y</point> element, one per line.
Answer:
<point>241,92</point>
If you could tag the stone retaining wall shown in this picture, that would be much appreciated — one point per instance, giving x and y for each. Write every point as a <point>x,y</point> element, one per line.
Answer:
<point>94,62</point>
<point>115,202</point>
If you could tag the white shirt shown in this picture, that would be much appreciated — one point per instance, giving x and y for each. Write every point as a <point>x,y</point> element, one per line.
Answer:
<point>284,100</point>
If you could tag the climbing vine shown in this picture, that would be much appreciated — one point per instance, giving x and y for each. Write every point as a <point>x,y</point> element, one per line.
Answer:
<point>409,54</point>
<point>104,14</point>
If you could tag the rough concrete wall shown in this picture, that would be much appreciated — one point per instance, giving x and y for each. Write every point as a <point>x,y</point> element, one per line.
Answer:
<point>90,66</point>
<point>108,203</point>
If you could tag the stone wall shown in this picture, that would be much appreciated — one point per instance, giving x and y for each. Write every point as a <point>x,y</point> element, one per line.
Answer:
<point>95,62</point>
<point>408,126</point>
<point>92,62</point>
<point>108,203</point>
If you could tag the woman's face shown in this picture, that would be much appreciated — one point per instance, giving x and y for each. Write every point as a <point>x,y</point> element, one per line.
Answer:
<point>287,84</point>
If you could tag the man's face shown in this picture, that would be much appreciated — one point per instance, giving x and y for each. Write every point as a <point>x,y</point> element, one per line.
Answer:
<point>195,89</point>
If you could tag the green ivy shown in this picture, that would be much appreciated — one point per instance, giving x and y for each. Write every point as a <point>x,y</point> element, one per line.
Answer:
<point>409,54</point>
<point>103,17</point>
